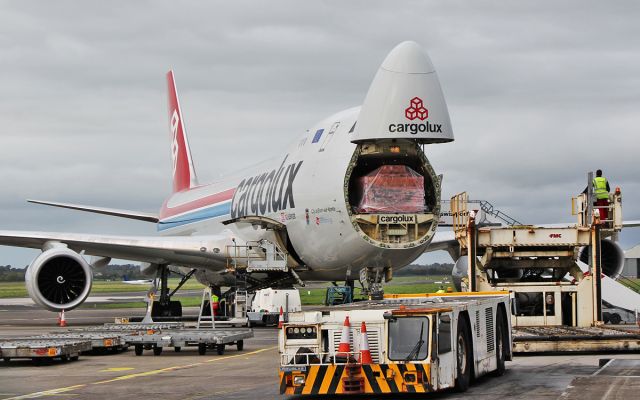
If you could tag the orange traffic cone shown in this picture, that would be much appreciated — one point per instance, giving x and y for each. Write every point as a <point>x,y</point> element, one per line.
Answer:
<point>63,320</point>
<point>365,353</point>
<point>281,319</point>
<point>344,348</point>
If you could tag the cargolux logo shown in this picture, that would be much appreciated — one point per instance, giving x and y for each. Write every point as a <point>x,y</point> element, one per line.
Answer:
<point>175,120</point>
<point>416,110</point>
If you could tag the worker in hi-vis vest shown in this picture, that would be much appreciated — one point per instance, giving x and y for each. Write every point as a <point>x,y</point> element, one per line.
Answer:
<point>601,194</point>
<point>215,303</point>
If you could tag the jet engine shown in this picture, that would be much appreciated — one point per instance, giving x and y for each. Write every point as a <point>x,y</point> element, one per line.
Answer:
<point>59,279</point>
<point>612,258</point>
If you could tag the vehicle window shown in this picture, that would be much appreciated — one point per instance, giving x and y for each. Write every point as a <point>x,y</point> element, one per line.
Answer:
<point>408,338</point>
<point>444,334</point>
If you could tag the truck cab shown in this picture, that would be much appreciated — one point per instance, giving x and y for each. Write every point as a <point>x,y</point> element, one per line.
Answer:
<point>416,344</point>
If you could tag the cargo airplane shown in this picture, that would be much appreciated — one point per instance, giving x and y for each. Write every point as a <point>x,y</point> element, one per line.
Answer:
<point>353,197</point>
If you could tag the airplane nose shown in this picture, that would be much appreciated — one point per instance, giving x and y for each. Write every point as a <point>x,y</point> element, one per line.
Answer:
<point>408,58</point>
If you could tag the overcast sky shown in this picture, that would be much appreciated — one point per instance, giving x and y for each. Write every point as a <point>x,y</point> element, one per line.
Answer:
<point>539,93</point>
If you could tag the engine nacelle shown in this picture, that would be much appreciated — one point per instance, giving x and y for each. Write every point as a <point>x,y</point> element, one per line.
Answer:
<point>59,279</point>
<point>612,258</point>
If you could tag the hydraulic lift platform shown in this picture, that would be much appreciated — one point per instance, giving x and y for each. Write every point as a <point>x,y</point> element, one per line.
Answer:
<point>572,339</point>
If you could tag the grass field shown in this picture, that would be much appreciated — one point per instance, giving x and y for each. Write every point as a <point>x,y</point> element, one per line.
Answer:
<point>308,296</point>
<point>18,289</point>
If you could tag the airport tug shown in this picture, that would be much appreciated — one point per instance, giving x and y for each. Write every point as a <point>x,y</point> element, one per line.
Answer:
<point>401,344</point>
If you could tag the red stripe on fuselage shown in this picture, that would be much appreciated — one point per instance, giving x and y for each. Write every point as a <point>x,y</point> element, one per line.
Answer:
<point>167,212</point>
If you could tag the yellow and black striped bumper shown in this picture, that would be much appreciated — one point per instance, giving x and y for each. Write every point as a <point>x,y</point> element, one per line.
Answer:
<point>356,378</point>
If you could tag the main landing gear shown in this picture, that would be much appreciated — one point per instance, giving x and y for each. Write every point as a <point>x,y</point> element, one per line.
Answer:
<point>164,306</point>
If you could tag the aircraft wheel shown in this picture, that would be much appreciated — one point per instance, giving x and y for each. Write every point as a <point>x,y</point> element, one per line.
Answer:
<point>615,318</point>
<point>464,355</point>
<point>175,309</point>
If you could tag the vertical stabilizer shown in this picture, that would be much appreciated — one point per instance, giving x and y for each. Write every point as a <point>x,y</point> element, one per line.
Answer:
<point>184,176</point>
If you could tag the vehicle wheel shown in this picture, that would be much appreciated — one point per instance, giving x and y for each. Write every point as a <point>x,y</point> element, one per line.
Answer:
<point>157,351</point>
<point>138,349</point>
<point>6,359</point>
<point>615,318</point>
<point>75,358</point>
<point>464,355</point>
<point>202,349</point>
<point>240,345</point>
<point>220,349</point>
<point>178,349</point>
<point>501,343</point>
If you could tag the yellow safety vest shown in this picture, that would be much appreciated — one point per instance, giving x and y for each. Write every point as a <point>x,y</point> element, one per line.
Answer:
<point>600,187</point>
<point>214,298</point>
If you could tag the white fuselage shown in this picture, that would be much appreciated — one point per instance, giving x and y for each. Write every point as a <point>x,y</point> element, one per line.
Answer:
<point>315,212</point>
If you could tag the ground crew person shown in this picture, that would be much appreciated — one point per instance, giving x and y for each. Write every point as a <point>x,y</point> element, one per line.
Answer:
<point>215,302</point>
<point>601,194</point>
<point>441,289</point>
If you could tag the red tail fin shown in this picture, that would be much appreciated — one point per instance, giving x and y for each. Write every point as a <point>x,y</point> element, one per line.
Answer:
<point>184,176</point>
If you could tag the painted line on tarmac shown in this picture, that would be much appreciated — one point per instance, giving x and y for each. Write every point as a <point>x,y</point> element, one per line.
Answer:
<point>53,392</point>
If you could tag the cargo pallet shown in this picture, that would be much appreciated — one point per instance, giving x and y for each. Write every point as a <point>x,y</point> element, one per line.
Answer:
<point>202,338</point>
<point>100,341</point>
<point>39,350</point>
<point>570,339</point>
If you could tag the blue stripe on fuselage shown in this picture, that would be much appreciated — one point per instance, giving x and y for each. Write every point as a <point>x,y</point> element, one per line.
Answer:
<point>200,215</point>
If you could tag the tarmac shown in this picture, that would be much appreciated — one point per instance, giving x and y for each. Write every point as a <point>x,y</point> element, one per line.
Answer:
<point>253,372</point>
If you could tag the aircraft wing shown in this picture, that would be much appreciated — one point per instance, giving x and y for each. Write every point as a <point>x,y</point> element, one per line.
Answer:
<point>204,251</point>
<point>101,210</point>
<point>442,241</point>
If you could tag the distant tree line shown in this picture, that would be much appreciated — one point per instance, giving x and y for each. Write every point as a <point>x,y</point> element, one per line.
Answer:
<point>429,269</point>
<point>108,273</point>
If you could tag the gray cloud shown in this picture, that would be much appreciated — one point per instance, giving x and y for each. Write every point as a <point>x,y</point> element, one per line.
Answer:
<point>539,93</point>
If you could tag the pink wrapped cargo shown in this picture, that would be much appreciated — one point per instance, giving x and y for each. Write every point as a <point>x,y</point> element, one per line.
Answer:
<point>391,189</point>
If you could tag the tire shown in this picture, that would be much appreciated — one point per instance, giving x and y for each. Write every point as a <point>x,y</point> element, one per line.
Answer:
<point>501,344</point>
<point>177,349</point>
<point>464,355</point>
<point>240,345</point>
<point>202,348</point>
<point>75,358</point>
<point>175,309</point>
<point>138,349</point>
<point>157,351</point>
<point>6,359</point>
<point>615,318</point>
<point>220,349</point>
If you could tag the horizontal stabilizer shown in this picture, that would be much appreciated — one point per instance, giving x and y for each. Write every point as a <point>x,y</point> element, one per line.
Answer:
<point>102,210</point>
